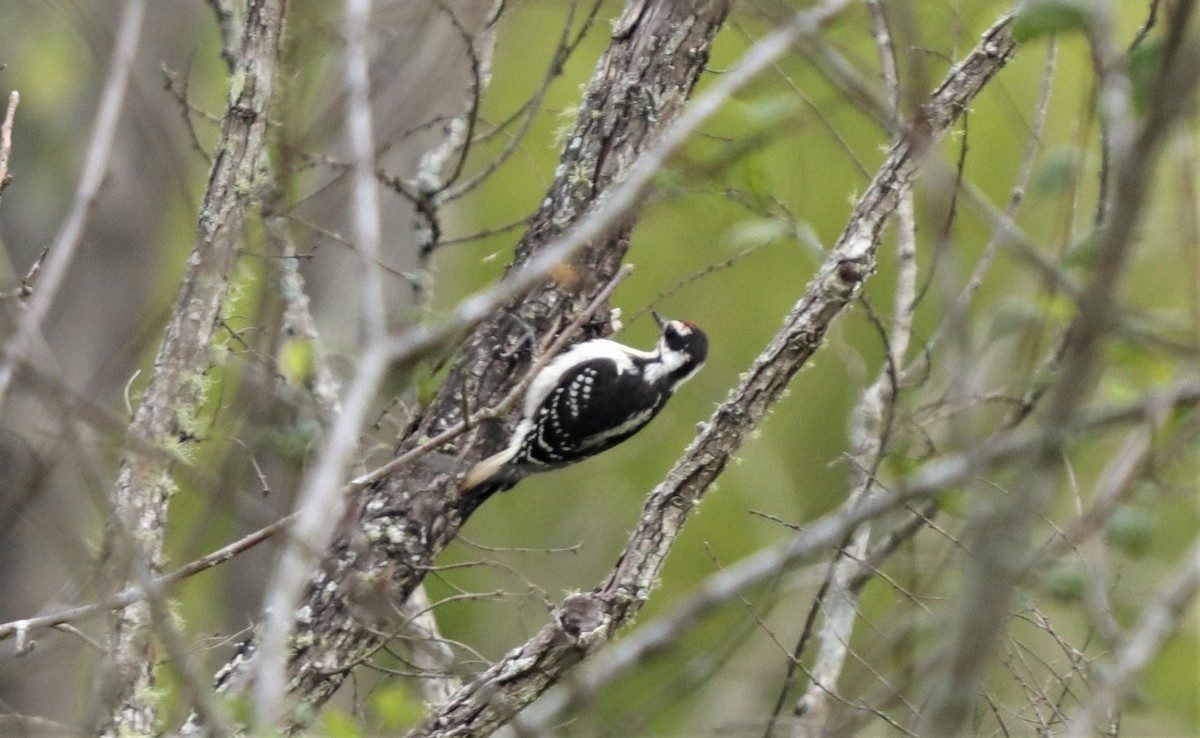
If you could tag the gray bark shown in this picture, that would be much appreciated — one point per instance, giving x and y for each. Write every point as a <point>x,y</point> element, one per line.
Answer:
<point>399,525</point>
<point>166,417</point>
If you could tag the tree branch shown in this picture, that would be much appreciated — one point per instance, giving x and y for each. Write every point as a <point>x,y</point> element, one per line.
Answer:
<point>1158,623</point>
<point>871,425</point>
<point>999,551</point>
<point>400,522</point>
<point>6,129</point>
<point>91,176</point>
<point>587,621</point>
<point>166,416</point>
<point>320,504</point>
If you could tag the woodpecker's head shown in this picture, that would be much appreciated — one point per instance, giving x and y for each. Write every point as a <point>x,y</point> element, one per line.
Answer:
<point>683,348</point>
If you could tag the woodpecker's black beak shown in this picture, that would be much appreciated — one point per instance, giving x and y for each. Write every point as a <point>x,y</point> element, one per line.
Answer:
<point>662,322</point>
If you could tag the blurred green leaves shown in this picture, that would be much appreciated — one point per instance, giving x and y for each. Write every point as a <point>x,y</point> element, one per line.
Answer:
<point>1131,528</point>
<point>1049,17</point>
<point>395,707</point>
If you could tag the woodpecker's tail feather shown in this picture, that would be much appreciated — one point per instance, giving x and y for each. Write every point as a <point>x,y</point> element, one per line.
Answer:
<point>486,469</point>
<point>485,479</point>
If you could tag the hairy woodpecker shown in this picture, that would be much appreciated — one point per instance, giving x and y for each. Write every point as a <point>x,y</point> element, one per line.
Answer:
<point>589,399</point>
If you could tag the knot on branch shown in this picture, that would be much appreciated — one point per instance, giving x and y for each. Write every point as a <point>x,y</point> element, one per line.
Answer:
<point>584,619</point>
<point>848,276</point>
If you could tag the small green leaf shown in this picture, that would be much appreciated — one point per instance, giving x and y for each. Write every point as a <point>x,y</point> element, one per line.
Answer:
<point>1047,17</point>
<point>296,361</point>
<point>1065,581</point>
<point>1059,169</point>
<point>1131,528</point>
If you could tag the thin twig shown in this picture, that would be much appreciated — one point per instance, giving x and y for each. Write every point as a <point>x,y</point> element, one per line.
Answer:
<point>91,176</point>
<point>588,620</point>
<point>22,629</point>
<point>871,426</point>
<point>14,99</point>
<point>1156,624</point>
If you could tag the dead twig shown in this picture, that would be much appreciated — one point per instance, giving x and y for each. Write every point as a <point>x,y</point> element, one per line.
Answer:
<point>14,99</point>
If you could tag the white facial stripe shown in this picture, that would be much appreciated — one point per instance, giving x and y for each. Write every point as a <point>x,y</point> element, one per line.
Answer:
<point>671,360</point>
<point>680,327</point>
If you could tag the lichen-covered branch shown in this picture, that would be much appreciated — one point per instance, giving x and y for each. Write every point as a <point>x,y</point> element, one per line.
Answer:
<point>166,416</point>
<point>403,520</point>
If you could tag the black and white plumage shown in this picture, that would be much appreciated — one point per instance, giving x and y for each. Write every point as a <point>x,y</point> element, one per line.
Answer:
<point>590,398</point>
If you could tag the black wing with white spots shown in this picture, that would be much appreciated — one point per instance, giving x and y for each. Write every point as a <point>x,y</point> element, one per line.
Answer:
<point>576,421</point>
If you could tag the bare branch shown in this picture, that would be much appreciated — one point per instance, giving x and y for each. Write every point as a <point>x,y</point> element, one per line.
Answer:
<point>586,621</point>
<point>870,427</point>
<point>22,629</point>
<point>6,129</point>
<point>91,176</point>
<point>166,416</point>
<point>1158,623</point>
<point>999,549</point>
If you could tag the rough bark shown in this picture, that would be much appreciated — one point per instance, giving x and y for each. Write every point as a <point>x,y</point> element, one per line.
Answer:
<point>398,526</point>
<point>587,621</point>
<point>166,417</point>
